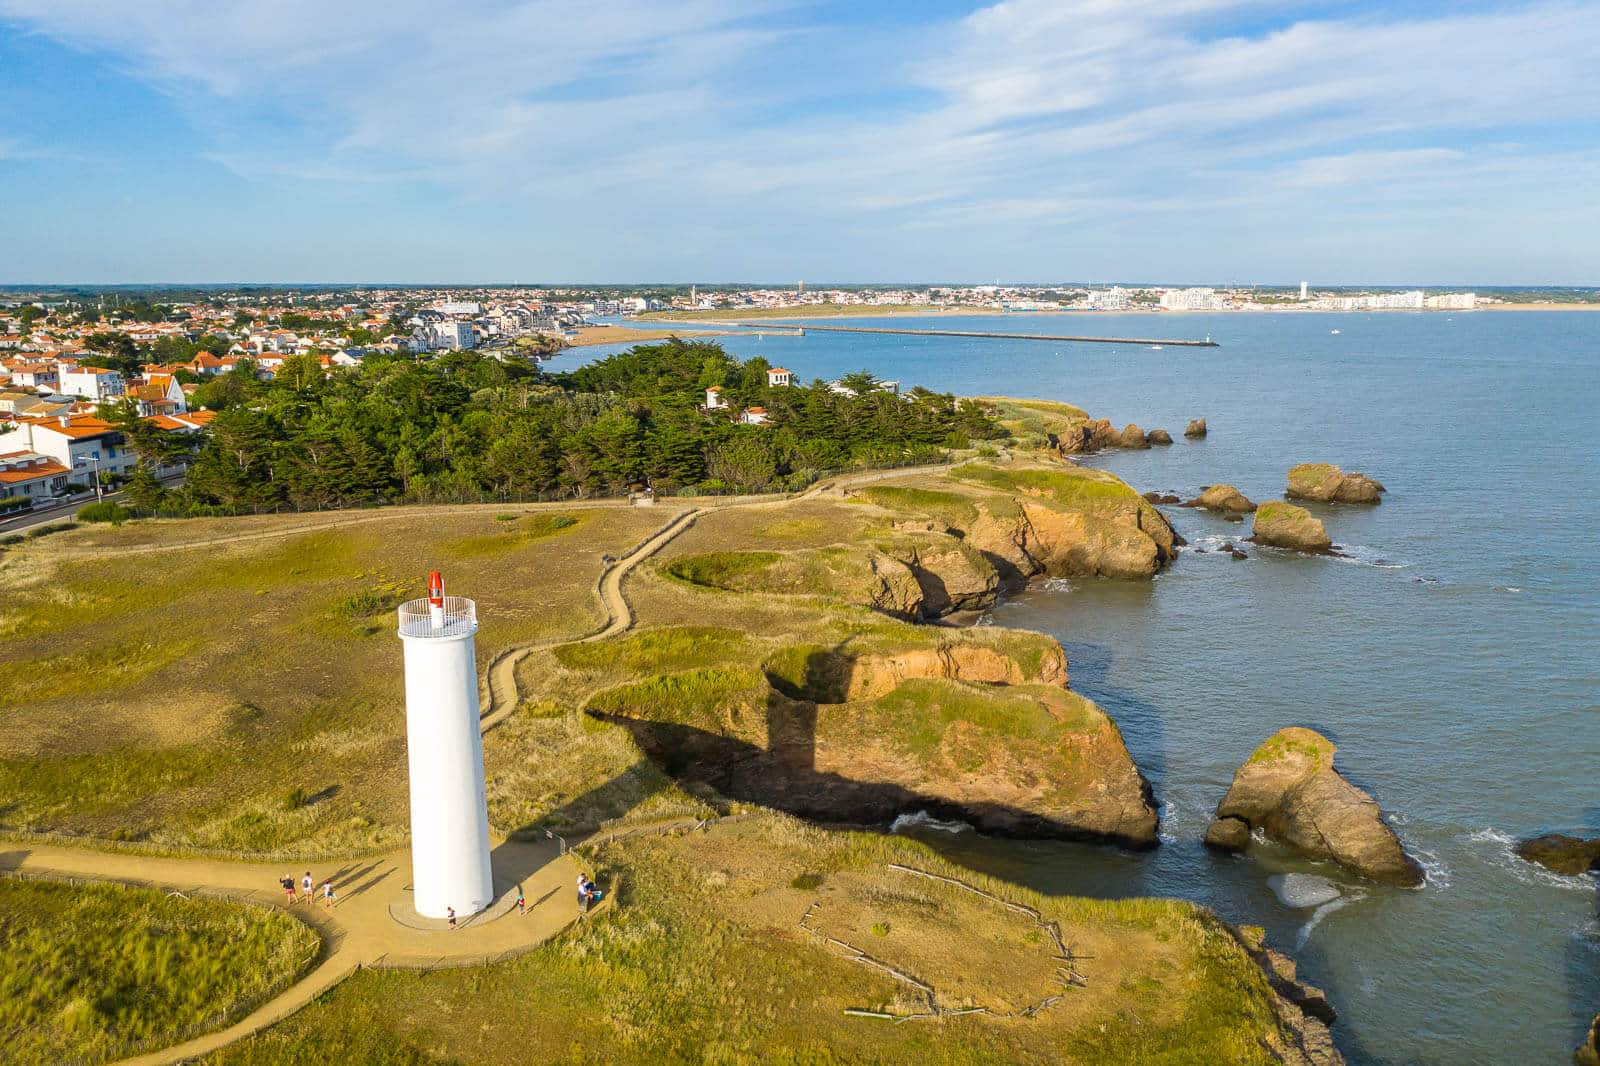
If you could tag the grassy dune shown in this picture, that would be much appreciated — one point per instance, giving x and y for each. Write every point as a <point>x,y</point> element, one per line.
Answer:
<point>97,972</point>
<point>246,696</point>
<point>705,961</point>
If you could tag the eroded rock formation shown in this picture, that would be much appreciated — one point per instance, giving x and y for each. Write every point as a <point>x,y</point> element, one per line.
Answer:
<point>1289,790</point>
<point>1284,525</point>
<point>1195,429</point>
<point>1223,498</point>
<point>1158,436</point>
<point>1133,437</point>
<point>1326,483</point>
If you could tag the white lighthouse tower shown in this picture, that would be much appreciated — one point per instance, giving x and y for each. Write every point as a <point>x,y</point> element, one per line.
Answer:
<point>449,815</point>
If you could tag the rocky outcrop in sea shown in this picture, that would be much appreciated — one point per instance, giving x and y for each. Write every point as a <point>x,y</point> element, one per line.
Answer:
<point>1289,790</point>
<point>1283,525</point>
<point>1326,483</point>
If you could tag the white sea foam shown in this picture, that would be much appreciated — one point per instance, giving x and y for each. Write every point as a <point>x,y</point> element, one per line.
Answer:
<point>1056,584</point>
<point>1364,556</point>
<point>1320,913</point>
<point>1301,891</point>
<point>1164,813</point>
<point>1497,849</point>
<point>924,820</point>
<point>1507,588</point>
<point>1435,874</point>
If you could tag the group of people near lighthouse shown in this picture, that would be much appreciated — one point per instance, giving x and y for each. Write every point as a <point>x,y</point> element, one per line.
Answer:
<point>306,893</point>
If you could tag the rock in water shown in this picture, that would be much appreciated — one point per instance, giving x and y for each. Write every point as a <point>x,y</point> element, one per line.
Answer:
<point>1326,483</point>
<point>1588,1053</point>
<point>1224,498</point>
<point>1284,525</point>
<point>1562,854</point>
<point>1158,436</point>
<point>1196,428</point>
<point>1303,891</point>
<point>1133,437</point>
<point>1289,790</point>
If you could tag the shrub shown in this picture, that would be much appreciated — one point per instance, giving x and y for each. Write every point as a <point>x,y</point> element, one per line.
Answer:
<point>104,511</point>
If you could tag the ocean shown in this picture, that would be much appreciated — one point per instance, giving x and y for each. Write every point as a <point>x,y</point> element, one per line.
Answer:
<point>1453,657</point>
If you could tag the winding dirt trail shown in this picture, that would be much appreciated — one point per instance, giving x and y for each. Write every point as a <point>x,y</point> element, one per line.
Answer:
<point>362,930</point>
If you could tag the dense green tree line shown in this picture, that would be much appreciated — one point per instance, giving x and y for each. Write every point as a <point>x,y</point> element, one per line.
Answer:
<point>463,426</point>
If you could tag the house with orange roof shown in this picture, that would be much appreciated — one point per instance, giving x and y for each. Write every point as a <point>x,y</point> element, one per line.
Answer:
<point>779,376</point>
<point>158,394</point>
<point>714,400</point>
<point>32,476</point>
<point>86,445</point>
<point>753,416</point>
<point>207,365</point>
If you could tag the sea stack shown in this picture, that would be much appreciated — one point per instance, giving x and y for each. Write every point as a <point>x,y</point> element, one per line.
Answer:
<point>1133,437</point>
<point>1289,790</point>
<point>1283,525</point>
<point>1326,483</point>
<point>1224,498</point>
<point>1195,429</point>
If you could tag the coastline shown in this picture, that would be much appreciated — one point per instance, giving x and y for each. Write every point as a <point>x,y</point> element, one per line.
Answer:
<point>776,318</point>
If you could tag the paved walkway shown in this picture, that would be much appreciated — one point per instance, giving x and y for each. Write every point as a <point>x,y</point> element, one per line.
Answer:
<point>358,931</point>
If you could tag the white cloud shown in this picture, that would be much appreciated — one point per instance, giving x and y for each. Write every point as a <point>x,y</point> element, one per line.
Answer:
<point>1027,114</point>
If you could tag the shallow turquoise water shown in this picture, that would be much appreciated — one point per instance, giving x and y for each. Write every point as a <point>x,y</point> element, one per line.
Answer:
<point>1455,659</point>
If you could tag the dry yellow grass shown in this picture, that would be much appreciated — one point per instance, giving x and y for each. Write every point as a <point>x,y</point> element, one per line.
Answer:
<point>180,693</point>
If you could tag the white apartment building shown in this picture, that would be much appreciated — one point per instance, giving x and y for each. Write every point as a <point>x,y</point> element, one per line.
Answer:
<point>1115,298</point>
<point>84,444</point>
<point>89,382</point>
<point>1193,300</point>
<point>1453,301</point>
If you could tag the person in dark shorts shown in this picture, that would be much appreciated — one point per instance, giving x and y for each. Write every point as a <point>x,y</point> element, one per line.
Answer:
<point>288,888</point>
<point>452,911</point>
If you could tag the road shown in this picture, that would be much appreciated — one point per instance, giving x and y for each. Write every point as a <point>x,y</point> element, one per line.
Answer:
<point>64,511</point>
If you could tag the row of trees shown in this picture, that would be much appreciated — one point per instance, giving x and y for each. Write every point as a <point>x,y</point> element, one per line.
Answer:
<point>466,427</point>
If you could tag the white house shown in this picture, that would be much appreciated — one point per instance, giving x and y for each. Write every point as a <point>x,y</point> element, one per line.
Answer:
<point>90,382</point>
<point>778,376</point>
<point>35,376</point>
<point>84,444</point>
<point>159,394</point>
<point>714,400</point>
<point>754,416</point>
<point>30,474</point>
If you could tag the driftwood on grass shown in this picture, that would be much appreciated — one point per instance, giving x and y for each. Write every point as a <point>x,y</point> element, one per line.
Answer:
<point>1068,974</point>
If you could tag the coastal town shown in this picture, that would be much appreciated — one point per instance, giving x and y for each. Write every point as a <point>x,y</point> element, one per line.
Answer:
<point>75,366</point>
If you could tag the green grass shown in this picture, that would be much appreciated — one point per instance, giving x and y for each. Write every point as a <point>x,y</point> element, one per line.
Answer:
<point>93,670</point>
<point>98,972</point>
<point>521,533</point>
<point>1277,510</point>
<point>920,711</point>
<point>1292,742</point>
<point>721,570</point>
<point>654,651</point>
<point>700,698</point>
<point>950,506</point>
<point>1074,485</point>
<point>102,781</point>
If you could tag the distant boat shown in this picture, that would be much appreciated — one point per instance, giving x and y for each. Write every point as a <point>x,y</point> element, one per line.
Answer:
<point>1335,331</point>
<point>1155,347</point>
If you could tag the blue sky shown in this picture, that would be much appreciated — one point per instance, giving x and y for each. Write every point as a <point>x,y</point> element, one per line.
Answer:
<point>1203,141</point>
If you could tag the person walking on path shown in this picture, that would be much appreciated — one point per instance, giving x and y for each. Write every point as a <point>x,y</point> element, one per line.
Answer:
<point>583,894</point>
<point>522,902</point>
<point>328,898</point>
<point>452,911</point>
<point>288,889</point>
<point>306,883</point>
